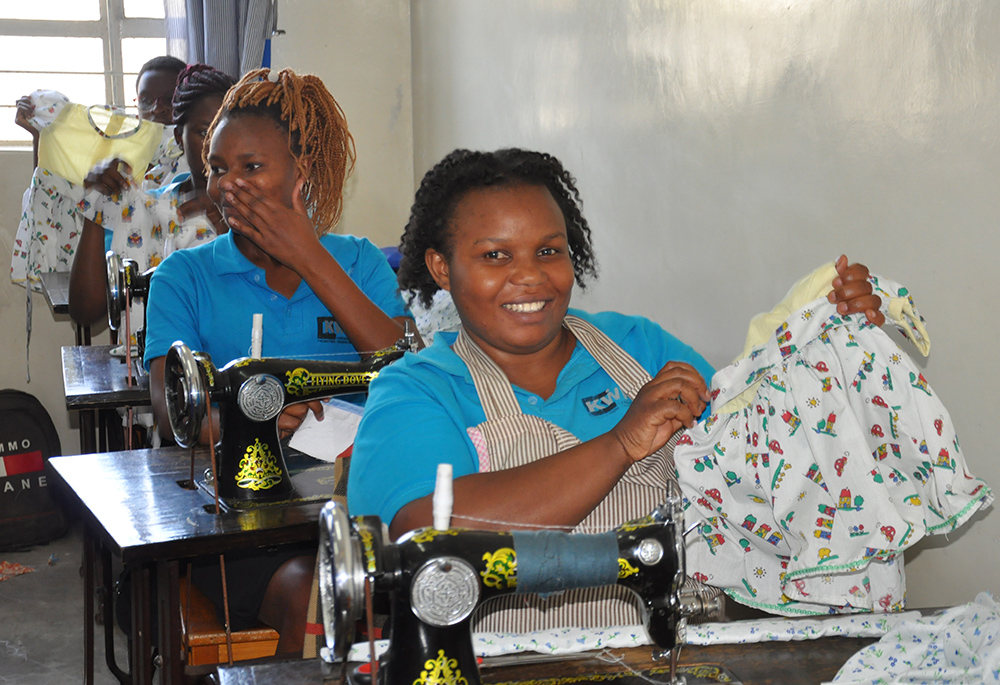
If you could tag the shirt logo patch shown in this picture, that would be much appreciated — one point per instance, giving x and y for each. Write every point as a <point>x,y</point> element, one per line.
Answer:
<point>602,403</point>
<point>327,328</point>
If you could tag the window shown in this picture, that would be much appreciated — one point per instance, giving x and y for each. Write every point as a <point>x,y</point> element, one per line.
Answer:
<point>89,50</point>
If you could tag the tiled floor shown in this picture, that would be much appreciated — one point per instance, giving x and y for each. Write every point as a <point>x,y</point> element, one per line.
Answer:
<point>41,618</point>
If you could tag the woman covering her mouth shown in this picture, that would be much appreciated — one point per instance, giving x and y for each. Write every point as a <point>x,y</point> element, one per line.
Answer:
<point>549,416</point>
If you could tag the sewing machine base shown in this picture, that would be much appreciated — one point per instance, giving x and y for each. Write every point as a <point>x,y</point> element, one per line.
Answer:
<point>313,672</point>
<point>312,481</point>
<point>703,674</point>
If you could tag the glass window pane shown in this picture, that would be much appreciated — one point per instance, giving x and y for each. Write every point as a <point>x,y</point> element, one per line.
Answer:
<point>144,8</point>
<point>37,53</point>
<point>8,129</point>
<point>66,10</point>
<point>138,51</point>
<point>87,89</point>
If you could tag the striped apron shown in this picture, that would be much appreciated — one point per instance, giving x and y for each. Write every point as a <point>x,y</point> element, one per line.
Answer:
<point>513,439</point>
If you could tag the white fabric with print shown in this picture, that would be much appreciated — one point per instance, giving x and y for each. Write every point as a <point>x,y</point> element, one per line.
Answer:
<point>960,646</point>
<point>827,454</point>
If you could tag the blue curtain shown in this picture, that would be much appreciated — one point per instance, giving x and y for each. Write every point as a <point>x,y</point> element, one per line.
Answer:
<point>229,35</point>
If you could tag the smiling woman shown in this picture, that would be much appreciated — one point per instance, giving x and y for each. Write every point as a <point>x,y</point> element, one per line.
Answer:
<point>549,416</point>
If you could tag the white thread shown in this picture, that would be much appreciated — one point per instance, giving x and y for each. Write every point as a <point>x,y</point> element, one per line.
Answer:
<point>535,526</point>
<point>444,498</point>
<point>257,336</point>
<point>609,657</point>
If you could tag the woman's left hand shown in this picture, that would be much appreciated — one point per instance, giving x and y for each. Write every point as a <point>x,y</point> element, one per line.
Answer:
<point>285,233</point>
<point>853,293</point>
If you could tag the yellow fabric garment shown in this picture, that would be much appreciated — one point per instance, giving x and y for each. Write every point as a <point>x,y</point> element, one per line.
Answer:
<point>81,137</point>
<point>819,283</point>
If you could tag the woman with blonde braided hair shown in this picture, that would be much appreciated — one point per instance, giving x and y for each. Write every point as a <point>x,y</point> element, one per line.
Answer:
<point>278,153</point>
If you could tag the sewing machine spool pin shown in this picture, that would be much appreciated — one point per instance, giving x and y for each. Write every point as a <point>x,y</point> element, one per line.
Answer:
<point>434,580</point>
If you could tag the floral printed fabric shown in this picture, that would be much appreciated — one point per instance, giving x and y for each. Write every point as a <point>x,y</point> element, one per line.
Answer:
<point>49,229</point>
<point>959,645</point>
<point>785,630</point>
<point>573,640</point>
<point>146,227</point>
<point>554,641</point>
<point>843,458</point>
<point>168,162</point>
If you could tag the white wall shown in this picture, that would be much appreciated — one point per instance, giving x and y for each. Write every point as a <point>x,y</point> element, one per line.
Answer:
<point>361,50</point>
<point>726,147</point>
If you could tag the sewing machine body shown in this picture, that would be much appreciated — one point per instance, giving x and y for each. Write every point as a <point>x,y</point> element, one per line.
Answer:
<point>126,284</point>
<point>251,394</point>
<point>435,579</point>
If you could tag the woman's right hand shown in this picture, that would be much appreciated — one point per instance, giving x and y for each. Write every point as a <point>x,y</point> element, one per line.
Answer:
<point>672,400</point>
<point>109,177</point>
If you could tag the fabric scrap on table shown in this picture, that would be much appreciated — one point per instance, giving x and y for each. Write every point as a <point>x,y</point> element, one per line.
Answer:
<point>554,641</point>
<point>785,630</point>
<point>959,645</point>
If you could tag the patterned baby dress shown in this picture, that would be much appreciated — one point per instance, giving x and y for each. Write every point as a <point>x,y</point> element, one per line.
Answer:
<point>827,454</point>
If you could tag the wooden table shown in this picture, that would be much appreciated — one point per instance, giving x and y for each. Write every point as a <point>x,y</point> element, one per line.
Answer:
<point>93,380</point>
<point>770,663</point>
<point>134,507</point>
<point>55,287</point>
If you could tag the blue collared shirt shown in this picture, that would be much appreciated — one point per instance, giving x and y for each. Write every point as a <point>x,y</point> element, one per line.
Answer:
<point>206,296</point>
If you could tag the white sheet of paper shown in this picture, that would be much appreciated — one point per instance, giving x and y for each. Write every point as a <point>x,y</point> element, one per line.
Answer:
<point>328,438</point>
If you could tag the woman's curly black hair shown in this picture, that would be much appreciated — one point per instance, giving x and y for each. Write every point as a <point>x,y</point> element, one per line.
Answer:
<point>462,171</point>
<point>195,82</point>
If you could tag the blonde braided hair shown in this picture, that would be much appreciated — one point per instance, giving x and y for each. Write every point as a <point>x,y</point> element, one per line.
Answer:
<point>318,138</point>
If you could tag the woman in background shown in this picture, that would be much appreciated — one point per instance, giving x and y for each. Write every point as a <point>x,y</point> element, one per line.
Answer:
<point>278,155</point>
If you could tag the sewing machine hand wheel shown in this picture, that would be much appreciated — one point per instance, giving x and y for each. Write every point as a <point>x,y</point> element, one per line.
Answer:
<point>187,394</point>
<point>342,580</point>
<point>116,290</point>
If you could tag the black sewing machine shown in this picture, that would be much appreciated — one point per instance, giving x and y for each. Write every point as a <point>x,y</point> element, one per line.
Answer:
<point>435,579</point>
<point>251,394</point>
<point>125,284</point>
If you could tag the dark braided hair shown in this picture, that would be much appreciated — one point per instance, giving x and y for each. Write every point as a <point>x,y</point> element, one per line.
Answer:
<point>462,171</point>
<point>302,107</point>
<point>195,82</point>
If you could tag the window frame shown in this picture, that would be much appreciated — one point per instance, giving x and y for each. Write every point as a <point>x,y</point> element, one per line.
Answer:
<point>112,27</point>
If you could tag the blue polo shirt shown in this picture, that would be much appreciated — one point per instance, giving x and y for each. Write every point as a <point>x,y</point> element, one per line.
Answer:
<point>207,296</point>
<point>418,410</point>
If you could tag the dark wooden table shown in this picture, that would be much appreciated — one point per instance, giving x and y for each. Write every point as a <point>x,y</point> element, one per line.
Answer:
<point>93,380</point>
<point>770,663</point>
<point>134,507</point>
<point>55,287</point>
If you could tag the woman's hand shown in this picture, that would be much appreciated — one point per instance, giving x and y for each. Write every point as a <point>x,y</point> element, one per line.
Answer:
<point>24,112</point>
<point>286,234</point>
<point>293,415</point>
<point>674,399</point>
<point>201,203</point>
<point>110,177</point>
<point>853,294</point>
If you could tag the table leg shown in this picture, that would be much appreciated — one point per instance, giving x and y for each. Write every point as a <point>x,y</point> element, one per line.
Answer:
<point>88,432</point>
<point>169,610</point>
<point>109,620</point>
<point>142,643</point>
<point>88,607</point>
